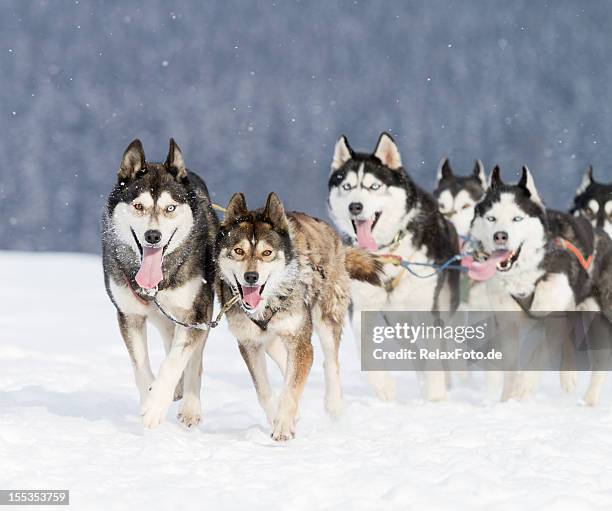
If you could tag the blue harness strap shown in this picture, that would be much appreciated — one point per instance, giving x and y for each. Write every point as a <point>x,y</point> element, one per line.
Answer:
<point>437,268</point>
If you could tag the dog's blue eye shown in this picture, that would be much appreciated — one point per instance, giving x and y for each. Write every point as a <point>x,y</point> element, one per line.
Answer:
<point>375,186</point>
<point>346,186</point>
<point>491,219</point>
<point>170,208</point>
<point>517,219</point>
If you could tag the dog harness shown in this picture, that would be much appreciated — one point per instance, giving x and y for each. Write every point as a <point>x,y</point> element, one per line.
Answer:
<point>525,302</point>
<point>568,245</point>
<point>206,325</point>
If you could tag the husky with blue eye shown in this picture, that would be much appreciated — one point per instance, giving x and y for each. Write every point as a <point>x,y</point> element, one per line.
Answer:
<point>376,205</point>
<point>546,261</point>
<point>593,201</point>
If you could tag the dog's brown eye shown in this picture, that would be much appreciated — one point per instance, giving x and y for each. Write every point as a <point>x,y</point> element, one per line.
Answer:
<point>138,206</point>
<point>266,253</point>
<point>239,251</point>
<point>465,206</point>
<point>588,212</point>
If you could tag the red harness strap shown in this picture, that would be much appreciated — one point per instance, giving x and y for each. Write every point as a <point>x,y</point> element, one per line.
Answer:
<point>568,245</point>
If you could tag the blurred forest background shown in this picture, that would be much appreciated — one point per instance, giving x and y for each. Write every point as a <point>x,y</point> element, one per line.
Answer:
<point>256,94</point>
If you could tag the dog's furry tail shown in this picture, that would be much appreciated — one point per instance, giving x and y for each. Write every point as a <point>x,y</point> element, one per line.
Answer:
<point>364,266</point>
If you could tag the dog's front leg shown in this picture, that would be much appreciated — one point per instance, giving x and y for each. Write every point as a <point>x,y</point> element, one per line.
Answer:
<point>134,332</point>
<point>190,409</point>
<point>166,330</point>
<point>254,356</point>
<point>277,352</point>
<point>299,362</point>
<point>184,344</point>
<point>381,381</point>
<point>555,293</point>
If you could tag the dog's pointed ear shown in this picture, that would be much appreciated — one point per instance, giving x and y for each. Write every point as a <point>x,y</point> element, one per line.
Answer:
<point>342,153</point>
<point>587,180</point>
<point>133,161</point>
<point>175,162</point>
<point>275,212</point>
<point>528,184</point>
<point>444,170</point>
<point>479,172</point>
<point>495,179</point>
<point>236,207</point>
<point>387,152</point>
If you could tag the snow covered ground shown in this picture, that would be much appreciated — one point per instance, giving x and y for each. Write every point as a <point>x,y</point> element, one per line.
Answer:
<point>68,420</point>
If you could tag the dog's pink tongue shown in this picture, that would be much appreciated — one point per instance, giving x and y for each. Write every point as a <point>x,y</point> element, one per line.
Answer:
<point>483,270</point>
<point>150,272</point>
<point>365,239</point>
<point>251,295</point>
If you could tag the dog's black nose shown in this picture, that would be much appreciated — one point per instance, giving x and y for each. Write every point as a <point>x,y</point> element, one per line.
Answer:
<point>153,237</point>
<point>251,277</point>
<point>355,208</point>
<point>500,237</point>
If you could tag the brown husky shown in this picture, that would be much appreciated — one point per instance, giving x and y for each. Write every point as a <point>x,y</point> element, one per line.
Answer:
<point>292,274</point>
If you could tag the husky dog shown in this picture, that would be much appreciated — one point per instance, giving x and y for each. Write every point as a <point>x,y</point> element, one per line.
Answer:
<point>593,201</point>
<point>292,274</point>
<point>536,272</point>
<point>457,195</point>
<point>378,207</point>
<point>158,240</point>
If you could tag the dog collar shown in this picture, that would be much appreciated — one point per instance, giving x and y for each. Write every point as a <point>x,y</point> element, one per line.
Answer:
<point>261,323</point>
<point>396,239</point>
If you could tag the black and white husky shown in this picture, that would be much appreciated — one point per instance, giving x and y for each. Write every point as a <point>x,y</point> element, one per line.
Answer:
<point>593,201</point>
<point>158,239</point>
<point>536,272</point>
<point>457,195</point>
<point>378,207</point>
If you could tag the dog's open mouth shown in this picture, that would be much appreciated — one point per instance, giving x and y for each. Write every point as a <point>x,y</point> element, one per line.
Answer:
<point>363,230</point>
<point>483,266</point>
<point>250,295</point>
<point>506,258</point>
<point>151,258</point>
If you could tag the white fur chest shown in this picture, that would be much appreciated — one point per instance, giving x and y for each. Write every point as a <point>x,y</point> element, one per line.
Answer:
<point>175,299</point>
<point>247,331</point>
<point>180,298</point>
<point>520,284</point>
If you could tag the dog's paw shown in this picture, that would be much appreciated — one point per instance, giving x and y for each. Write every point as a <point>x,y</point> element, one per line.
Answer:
<point>435,386</point>
<point>383,385</point>
<point>569,380</point>
<point>591,398</point>
<point>283,429</point>
<point>270,408</point>
<point>155,407</point>
<point>334,406</point>
<point>190,412</point>
<point>178,391</point>
<point>526,385</point>
<point>436,393</point>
